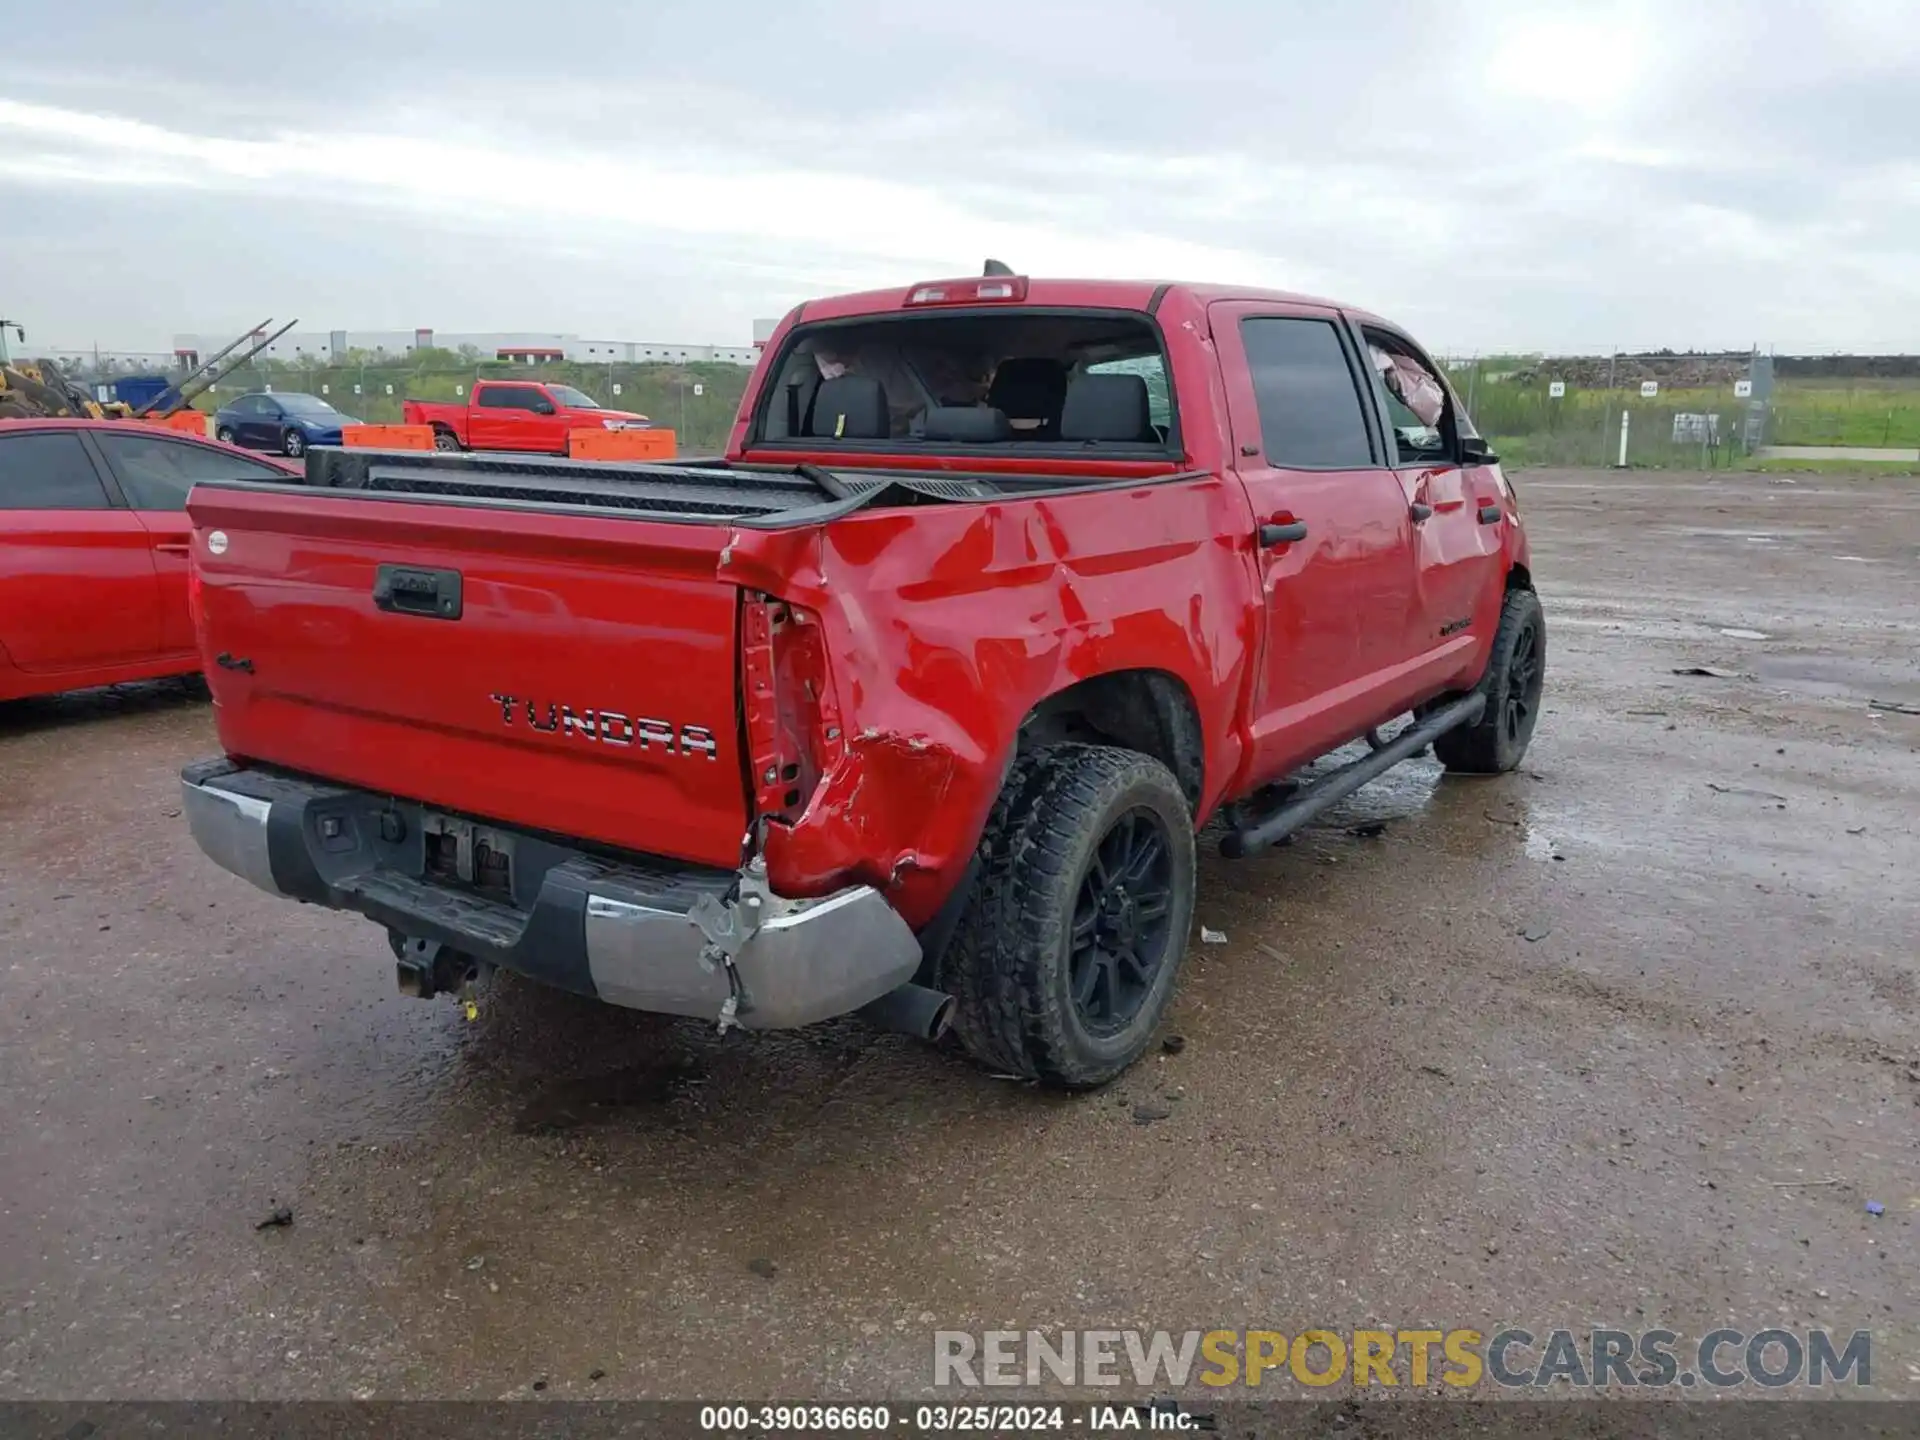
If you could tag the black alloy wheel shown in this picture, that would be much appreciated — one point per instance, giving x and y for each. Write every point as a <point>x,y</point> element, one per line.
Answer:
<point>1121,923</point>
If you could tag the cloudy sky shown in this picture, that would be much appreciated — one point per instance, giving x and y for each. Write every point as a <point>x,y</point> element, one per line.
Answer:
<point>1494,173</point>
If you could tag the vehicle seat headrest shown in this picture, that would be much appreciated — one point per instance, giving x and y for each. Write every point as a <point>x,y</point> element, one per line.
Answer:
<point>966,425</point>
<point>1030,387</point>
<point>851,407</point>
<point>1107,407</point>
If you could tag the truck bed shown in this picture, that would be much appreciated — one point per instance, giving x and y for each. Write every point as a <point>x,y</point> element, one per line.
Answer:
<point>544,642</point>
<point>699,491</point>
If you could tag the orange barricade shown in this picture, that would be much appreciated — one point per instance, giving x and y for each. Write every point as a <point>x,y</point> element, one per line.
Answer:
<point>187,422</point>
<point>387,437</point>
<point>621,445</point>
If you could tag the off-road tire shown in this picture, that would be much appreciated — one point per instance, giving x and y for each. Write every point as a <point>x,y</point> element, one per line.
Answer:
<point>1513,684</point>
<point>1008,965</point>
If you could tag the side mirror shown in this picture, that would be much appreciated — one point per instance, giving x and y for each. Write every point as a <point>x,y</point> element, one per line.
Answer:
<point>543,406</point>
<point>1474,450</point>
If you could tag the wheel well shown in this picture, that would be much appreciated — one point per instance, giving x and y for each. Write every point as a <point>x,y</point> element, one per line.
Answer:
<point>1519,578</point>
<point>1145,710</point>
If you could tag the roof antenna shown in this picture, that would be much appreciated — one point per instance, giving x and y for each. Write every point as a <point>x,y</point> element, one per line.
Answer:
<point>997,267</point>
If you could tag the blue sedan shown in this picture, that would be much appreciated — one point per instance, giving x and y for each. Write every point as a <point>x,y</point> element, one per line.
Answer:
<point>287,423</point>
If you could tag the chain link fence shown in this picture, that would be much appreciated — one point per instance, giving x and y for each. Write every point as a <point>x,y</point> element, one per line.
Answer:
<point>1682,411</point>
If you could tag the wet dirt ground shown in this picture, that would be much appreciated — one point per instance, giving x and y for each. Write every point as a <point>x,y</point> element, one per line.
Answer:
<point>1626,1038</point>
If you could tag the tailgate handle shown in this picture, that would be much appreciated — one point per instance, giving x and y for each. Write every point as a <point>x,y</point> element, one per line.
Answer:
<point>434,594</point>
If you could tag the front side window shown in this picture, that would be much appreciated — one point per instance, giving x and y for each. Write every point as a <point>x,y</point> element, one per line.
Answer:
<point>573,399</point>
<point>1311,416</point>
<point>1415,397</point>
<point>48,471</point>
<point>157,474</point>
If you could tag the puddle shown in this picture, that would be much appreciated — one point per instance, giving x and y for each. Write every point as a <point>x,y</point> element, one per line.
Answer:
<point>1839,678</point>
<point>1538,845</point>
<point>591,1099</point>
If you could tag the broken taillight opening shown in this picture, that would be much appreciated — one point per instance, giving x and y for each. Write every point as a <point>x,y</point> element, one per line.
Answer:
<point>969,292</point>
<point>193,599</point>
<point>792,723</point>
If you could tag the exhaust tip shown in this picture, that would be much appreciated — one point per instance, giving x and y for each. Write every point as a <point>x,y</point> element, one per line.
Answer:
<point>942,1020</point>
<point>912,1010</point>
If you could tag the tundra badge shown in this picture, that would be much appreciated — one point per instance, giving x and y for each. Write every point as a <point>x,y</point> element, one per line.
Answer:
<point>610,727</point>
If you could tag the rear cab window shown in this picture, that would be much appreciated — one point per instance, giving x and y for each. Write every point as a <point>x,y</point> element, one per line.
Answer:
<point>1017,381</point>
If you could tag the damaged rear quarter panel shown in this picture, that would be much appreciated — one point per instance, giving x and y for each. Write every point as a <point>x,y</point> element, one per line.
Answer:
<point>947,624</point>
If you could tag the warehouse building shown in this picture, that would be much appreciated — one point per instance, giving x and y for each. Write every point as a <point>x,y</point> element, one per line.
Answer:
<point>325,347</point>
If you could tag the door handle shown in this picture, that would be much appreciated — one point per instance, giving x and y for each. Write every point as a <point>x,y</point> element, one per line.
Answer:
<point>1271,535</point>
<point>172,547</point>
<point>1419,510</point>
<point>1489,514</point>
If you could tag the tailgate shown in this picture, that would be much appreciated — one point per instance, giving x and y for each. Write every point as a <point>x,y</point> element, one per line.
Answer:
<point>576,674</point>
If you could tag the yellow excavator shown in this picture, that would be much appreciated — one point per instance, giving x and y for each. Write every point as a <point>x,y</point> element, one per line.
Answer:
<point>33,389</point>
<point>39,389</point>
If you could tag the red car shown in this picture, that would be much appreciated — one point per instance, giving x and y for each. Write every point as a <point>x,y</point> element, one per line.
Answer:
<point>915,703</point>
<point>93,550</point>
<point>516,415</point>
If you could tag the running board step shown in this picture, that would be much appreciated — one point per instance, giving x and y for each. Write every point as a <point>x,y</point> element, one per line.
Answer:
<point>1330,789</point>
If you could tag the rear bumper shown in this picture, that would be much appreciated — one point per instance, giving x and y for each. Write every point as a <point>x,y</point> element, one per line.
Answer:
<point>621,932</point>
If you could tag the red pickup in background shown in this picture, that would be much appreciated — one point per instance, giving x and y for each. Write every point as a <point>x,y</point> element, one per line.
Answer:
<point>524,415</point>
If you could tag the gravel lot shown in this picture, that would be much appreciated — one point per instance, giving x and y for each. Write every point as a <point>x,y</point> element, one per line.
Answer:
<point>1558,1048</point>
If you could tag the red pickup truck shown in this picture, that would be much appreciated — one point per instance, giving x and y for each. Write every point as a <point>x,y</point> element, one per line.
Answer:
<point>911,704</point>
<point>516,415</point>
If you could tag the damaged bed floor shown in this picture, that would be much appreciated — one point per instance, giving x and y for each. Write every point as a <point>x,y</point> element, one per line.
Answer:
<point>1627,1038</point>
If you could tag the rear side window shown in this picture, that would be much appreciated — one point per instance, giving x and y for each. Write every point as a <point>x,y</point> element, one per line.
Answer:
<point>157,474</point>
<point>48,472</point>
<point>507,397</point>
<point>1310,411</point>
